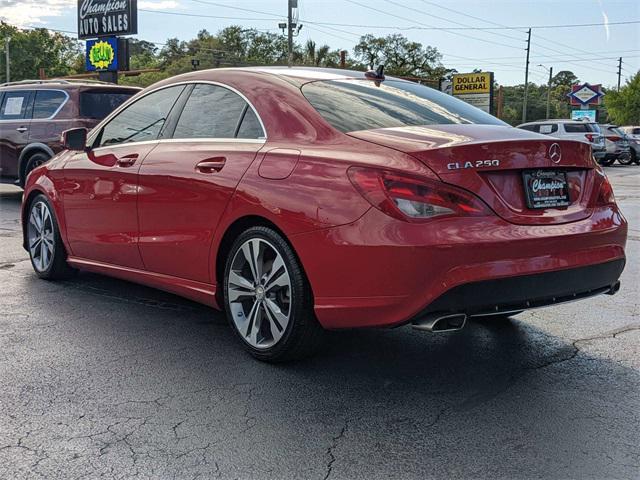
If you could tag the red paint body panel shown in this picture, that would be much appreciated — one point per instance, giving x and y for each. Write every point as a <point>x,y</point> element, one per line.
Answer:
<point>179,207</point>
<point>161,221</point>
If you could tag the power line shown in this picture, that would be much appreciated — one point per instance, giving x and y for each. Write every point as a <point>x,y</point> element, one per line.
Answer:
<point>180,14</point>
<point>424,24</point>
<point>232,7</point>
<point>448,20</point>
<point>413,27</point>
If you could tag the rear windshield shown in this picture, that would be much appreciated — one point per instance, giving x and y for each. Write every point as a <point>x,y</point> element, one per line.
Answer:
<point>98,104</point>
<point>351,105</point>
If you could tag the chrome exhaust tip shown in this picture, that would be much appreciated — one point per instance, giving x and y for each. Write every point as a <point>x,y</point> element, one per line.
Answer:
<point>438,323</point>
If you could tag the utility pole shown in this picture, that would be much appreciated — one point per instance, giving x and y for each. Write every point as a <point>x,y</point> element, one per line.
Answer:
<point>291,5</point>
<point>526,80</point>
<point>7,59</point>
<point>619,71</point>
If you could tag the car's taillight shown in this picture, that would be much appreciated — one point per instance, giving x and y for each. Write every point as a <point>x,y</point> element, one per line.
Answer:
<point>590,136</point>
<point>406,197</point>
<point>614,138</point>
<point>605,195</point>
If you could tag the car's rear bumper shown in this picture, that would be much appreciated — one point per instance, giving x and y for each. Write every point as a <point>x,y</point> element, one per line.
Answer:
<point>382,272</point>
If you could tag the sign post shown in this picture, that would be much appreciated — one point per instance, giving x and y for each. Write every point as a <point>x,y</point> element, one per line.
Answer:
<point>474,88</point>
<point>102,23</point>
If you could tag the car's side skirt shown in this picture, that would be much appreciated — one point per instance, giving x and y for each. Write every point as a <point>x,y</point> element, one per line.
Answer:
<point>197,291</point>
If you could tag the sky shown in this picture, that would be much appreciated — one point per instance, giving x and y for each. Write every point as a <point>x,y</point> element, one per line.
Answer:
<point>590,52</point>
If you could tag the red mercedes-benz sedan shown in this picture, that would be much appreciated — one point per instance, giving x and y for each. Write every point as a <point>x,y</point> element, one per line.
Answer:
<point>299,200</point>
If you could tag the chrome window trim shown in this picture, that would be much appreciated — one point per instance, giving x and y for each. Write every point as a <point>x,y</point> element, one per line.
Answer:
<point>35,91</point>
<point>135,98</point>
<point>260,141</point>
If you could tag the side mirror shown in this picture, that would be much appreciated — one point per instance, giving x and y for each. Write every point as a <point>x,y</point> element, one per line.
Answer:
<point>75,139</point>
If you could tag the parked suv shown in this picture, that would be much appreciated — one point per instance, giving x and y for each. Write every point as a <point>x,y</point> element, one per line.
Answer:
<point>571,130</point>
<point>34,113</point>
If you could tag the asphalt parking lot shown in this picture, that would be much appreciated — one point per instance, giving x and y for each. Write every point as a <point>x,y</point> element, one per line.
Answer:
<point>102,378</point>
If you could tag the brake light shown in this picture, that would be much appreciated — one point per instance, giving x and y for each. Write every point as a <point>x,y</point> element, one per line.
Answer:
<point>614,138</point>
<point>589,136</point>
<point>605,193</point>
<point>412,198</point>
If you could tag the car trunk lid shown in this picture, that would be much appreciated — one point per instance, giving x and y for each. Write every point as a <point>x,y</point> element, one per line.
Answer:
<point>490,161</point>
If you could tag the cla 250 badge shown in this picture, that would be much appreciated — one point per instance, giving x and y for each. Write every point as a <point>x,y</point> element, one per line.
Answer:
<point>476,164</point>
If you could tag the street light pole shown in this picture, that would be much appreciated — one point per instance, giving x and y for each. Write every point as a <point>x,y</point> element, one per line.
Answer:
<point>7,59</point>
<point>548,88</point>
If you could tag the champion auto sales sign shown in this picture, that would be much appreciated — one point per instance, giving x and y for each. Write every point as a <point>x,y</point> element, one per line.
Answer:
<point>106,18</point>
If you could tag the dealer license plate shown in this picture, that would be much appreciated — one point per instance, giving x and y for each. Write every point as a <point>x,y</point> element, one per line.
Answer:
<point>546,188</point>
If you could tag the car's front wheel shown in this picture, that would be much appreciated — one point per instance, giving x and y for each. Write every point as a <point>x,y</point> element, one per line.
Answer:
<point>46,250</point>
<point>268,299</point>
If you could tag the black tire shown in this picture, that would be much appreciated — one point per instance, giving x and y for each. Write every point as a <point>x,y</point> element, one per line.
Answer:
<point>634,157</point>
<point>57,267</point>
<point>625,159</point>
<point>303,335</point>
<point>607,161</point>
<point>34,161</point>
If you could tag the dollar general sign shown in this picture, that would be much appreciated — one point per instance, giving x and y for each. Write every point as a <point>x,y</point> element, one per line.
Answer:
<point>474,88</point>
<point>466,83</point>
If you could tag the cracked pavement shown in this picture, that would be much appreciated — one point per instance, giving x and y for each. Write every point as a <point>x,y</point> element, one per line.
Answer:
<point>103,378</point>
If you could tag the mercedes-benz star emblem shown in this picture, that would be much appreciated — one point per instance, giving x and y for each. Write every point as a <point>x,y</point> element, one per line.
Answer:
<point>555,153</point>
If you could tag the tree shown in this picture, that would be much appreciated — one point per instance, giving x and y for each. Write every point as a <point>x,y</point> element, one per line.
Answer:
<point>31,50</point>
<point>400,56</point>
<point>624,106</point>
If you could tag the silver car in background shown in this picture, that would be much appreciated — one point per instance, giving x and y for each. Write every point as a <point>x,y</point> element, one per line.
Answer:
<point>617,145</point>
<point>633,135</point>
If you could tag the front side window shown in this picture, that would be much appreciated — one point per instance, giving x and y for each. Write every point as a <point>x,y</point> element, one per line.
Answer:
<point>15,105</point>
<point>142,120</point>
<point>351,105</point>
<point>47,103</point>
<point>212,111</point>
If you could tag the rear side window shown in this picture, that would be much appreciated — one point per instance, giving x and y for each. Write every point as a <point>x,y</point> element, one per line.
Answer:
<point>210,112</point>
<point>98,104</point>
<point>15,105</point>
<point>635,131</point>
<point>250,126</point>
<point>531,128</point>
<point>577,128</point>
<point>351,105</point>
<point>142,120</point>
<point>48,102</point>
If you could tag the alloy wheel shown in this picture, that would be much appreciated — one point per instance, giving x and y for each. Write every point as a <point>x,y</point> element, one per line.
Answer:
<point>259,293</point>
<point>41,236</point>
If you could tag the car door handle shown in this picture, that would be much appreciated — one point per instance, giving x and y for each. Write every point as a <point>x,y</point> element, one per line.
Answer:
<point>22,129</point>
<point>127,160</point>
<point>211,165</point>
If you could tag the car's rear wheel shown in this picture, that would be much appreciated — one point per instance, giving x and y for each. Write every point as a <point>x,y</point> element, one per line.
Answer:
<point>268,299</point>
<point>607,161</point>
<point>34,161</point>
<point>46,250</point>
<point>625,159</point>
